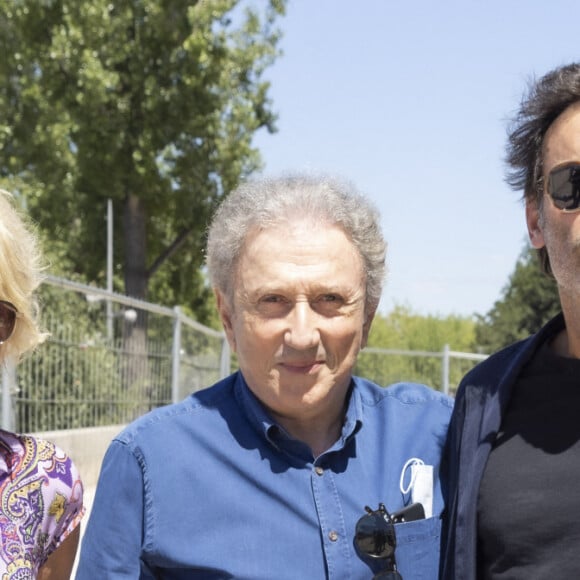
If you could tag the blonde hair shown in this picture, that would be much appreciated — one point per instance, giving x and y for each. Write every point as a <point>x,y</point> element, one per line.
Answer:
<point>20,275</point>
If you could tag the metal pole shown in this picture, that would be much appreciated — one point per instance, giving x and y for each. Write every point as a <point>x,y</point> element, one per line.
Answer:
<point>225,359</point>
<point>8,379</point>
<point>176,356</point>
<point>445,372</point>
<point>109,268</point>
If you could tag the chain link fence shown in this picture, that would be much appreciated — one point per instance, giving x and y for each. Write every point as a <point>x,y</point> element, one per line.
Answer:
<point>108,359</point>
<point>440,370</point>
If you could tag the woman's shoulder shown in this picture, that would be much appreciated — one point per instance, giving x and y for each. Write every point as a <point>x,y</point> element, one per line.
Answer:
<point>41,493</point>
<point>48,459</point>
<point>25,452</point>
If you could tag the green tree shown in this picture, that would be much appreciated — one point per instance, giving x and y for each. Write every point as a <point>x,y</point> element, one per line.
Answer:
<point>404,330</point>
<point>152,103</point>
<point>528,301</point>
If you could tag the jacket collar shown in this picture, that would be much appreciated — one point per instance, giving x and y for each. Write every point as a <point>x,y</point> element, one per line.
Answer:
<point>499,395</point>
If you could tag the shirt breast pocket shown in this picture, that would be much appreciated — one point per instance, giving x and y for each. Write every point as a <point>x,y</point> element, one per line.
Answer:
<point>418,548</point>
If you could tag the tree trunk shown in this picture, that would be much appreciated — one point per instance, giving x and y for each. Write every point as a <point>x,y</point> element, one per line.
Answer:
<point>135,233</point>
<point>136,366</point>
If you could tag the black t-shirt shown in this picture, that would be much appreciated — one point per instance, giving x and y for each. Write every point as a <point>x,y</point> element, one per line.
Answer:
<point>529,499</point>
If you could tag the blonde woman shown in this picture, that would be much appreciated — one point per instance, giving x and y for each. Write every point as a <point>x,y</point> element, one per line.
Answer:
<point>40,489</point>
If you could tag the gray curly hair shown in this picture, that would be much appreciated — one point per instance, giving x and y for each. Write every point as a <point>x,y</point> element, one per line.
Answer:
<point>272,202</point>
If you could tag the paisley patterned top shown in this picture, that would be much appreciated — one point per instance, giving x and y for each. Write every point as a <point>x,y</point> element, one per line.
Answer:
<point>41,502</point>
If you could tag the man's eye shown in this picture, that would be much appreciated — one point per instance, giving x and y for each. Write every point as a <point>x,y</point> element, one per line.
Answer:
<point>329,304</point>
<point>271,299</point>
<point>330,298</point>
<point>272,305</point>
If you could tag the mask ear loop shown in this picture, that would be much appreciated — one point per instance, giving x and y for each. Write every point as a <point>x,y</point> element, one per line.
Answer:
<point>409,463</point>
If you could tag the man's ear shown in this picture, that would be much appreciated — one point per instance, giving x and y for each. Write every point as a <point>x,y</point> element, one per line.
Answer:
<point>534,222</point>
<point>225,313</point>
<point>367,325</point>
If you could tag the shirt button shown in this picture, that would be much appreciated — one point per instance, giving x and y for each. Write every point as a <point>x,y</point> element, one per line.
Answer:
<point>319,470</point>
<point>332,536</point>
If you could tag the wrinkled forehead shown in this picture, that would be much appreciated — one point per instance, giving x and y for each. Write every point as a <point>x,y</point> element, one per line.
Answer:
<point>300,227</point>
<point>301,241</point>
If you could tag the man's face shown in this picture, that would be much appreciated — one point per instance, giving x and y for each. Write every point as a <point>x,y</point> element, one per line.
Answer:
<point>297,321</point>
<point>548,226</point>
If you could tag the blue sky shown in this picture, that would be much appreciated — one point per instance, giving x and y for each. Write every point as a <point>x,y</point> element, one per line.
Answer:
<point>410,101</point>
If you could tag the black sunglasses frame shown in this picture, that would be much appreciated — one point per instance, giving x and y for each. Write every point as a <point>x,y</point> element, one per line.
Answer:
<point>564,187</point>
<point>8,315</point>
<point>375,537</point>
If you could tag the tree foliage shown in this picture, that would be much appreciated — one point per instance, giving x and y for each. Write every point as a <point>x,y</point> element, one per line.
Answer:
<point>152,103</point>
<point>404,329</point>
<point>528,301</point>
<point>427,336</point>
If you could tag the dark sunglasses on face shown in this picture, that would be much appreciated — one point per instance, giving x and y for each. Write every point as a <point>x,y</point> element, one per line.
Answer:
<point>375,537</point>
<point>564,187</point>
<point>8,315</point>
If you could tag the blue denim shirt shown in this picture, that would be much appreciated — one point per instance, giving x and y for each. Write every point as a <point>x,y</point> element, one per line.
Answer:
<point>213,488</point>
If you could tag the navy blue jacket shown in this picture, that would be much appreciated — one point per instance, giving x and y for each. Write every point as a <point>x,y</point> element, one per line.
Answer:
<point>481,401</point>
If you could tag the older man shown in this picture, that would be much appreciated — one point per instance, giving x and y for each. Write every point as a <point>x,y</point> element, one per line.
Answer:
<point>267,473</point>
<point>515,437</point>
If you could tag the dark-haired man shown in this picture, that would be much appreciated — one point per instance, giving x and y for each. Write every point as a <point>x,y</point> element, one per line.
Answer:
<point>514,440</point>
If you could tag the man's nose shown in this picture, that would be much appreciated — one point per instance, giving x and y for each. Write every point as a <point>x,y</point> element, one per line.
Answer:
<point>302,331</point>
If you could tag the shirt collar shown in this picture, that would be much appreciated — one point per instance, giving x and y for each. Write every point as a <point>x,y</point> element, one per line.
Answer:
<point>275,434</point>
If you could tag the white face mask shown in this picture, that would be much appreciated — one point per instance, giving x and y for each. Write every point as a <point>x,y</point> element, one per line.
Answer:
<point>420,484</point>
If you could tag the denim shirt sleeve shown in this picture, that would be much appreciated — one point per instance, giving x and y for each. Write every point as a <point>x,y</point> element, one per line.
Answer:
<point>111,545</point>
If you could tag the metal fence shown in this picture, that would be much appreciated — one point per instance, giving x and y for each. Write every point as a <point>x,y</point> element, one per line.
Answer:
<point>110,358</point>
<point>440,370</point>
